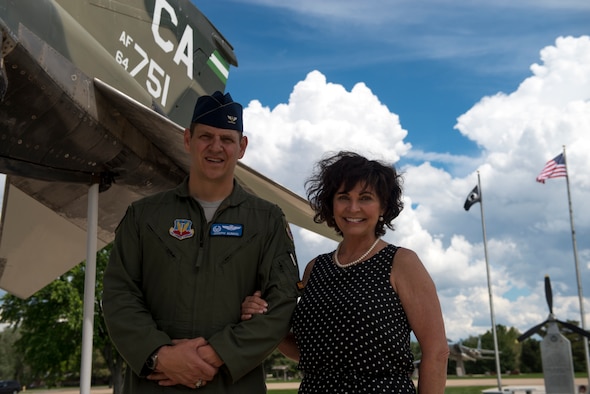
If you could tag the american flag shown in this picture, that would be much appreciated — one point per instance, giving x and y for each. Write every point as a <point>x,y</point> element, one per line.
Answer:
<point>555,168</point>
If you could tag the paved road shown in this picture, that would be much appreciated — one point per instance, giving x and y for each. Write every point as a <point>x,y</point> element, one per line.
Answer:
<point>488,382</point>
<point>493,382</point>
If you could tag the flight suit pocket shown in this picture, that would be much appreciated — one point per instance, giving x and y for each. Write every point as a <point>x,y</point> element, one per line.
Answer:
<point>288,275</point>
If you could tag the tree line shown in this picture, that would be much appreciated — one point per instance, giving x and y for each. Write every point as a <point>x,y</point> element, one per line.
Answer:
<point>41,344</point>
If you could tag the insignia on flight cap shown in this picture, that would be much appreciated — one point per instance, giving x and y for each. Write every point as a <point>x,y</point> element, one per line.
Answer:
<point>218,110</point>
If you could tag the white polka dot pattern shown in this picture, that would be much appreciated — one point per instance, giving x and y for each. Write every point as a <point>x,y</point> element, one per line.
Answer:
<point>352,331</point>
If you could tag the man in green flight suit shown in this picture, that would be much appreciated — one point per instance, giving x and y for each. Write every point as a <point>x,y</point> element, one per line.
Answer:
<point>184,260</point>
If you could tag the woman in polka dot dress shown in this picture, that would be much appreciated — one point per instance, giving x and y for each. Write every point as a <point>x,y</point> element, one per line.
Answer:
<point>351,328</point>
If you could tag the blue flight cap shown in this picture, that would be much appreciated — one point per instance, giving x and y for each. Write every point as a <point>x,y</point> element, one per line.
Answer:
<point>218,110</point>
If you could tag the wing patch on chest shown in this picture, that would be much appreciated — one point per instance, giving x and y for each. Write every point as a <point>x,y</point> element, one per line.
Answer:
<point>226,229</point>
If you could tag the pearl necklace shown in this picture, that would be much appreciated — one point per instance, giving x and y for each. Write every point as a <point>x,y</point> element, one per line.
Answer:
<point>357,260</point>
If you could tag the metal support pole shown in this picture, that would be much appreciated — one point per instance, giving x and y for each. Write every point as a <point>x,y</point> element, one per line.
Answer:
<point>579,280</point>
<point>485,248</point>
<point>89,290</point>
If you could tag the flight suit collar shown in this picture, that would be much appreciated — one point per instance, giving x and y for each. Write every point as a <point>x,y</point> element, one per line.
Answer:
<point>237,196</point>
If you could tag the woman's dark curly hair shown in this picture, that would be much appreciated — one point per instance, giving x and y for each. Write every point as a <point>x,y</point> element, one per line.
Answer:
<point>349,169</point>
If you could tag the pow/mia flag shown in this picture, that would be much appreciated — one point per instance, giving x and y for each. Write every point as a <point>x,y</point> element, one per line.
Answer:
<point>472,198</point>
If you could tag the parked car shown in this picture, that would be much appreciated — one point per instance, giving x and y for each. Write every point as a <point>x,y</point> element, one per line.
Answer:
<point>9,387</point>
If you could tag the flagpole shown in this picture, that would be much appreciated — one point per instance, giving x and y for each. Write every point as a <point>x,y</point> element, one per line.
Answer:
<point>485,248</point>
<point>580,292</point>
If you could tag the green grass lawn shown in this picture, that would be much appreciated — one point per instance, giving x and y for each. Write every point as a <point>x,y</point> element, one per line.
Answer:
<point>464,390</point>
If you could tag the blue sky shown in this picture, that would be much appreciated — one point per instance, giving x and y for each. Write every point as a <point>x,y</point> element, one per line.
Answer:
<point>428,62</point>
<point>442,91</point>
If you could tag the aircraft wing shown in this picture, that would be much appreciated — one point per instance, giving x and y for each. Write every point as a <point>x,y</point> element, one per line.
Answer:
<point>43,232</point>
<point>459,351</point>
<point>78,107</point>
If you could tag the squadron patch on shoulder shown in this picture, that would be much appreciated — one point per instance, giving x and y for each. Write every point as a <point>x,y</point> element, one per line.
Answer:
<point>182,229</point>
